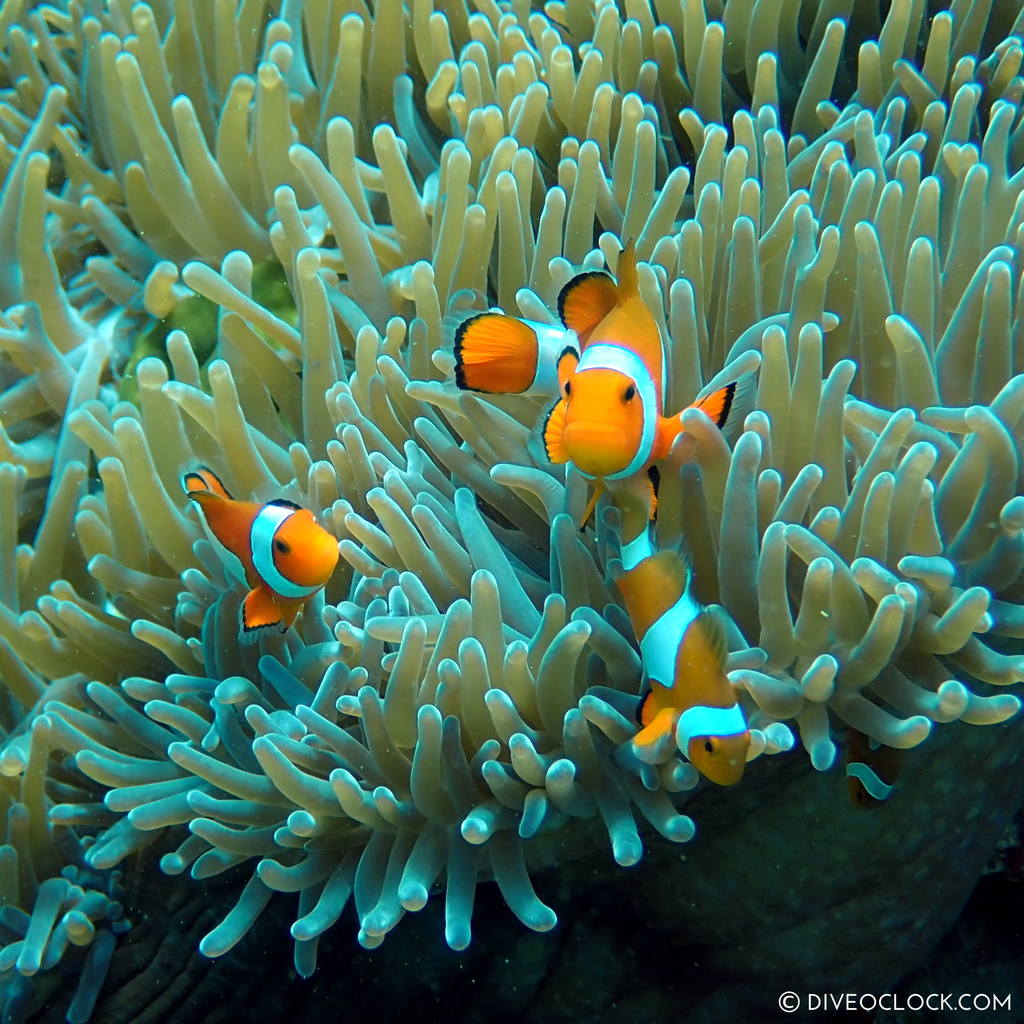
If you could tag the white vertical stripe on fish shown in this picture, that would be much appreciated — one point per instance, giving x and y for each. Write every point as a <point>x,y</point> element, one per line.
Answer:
<point>702,720</point>
<point>661,642</point>
<point>625,361</point>
<point>261,539</point>
<point>552,341</point>
<point>636,550</point>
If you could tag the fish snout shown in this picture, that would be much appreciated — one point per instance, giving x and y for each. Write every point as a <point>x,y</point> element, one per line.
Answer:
<point>720,759</point>
<point>327,554</point>
<point>312,562</point>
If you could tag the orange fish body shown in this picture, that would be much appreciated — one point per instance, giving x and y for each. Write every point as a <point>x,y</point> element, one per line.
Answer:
<point>682,649</point>
<point>609,363</point>
<point>284,555</point>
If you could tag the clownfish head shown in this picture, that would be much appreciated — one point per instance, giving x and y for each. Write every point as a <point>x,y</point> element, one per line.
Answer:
<point>302,551</point>
<point>604,421</point>
<point>720,758</point>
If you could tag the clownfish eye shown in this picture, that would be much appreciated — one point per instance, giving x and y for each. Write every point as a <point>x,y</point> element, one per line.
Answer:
<point>282,547</point>
<point>629,393</point>
<point>709,746</point>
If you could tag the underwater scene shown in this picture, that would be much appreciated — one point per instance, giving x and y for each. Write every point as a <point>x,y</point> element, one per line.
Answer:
<point>511,511</point>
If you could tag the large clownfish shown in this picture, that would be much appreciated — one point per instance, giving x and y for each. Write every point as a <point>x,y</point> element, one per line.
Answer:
<point>280,550</point>
<point>682,652</point>
<point>607,366</point>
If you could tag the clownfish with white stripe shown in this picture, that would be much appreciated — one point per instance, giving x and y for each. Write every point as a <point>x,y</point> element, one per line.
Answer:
<point>607,366</point>
<point>687,694</point>
<point>284,555</point>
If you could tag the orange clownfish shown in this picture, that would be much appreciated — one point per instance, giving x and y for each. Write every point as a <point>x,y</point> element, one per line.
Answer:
<point>871,770</point>
<point>608,366</point>
<point>280,550</point>
<point>682,651</point>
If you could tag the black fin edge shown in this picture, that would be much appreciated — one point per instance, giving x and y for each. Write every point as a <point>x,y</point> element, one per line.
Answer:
<point>460,376</point>
<point>727,405</point>
<point>645,696</point>
<point>543,432</point>
<point>196,473</point>
<point>586,275</point>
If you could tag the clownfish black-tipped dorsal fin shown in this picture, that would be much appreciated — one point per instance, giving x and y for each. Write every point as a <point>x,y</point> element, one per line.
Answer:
<point>714,633</point>
<point>202,478</point>
<point>589,297</point>
<point>585,301</point>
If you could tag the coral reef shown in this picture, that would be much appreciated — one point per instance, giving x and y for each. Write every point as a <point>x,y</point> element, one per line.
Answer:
<point>834,202</point>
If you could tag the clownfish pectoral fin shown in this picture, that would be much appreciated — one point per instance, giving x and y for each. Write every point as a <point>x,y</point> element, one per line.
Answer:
<point>586,300</point>
<point>552,431</point>
<point>496,354</point>
<point>259,611</point>
<point>729,406</point>
<point>202,478</point>
<point>718,405</point>
<point>653,742</point>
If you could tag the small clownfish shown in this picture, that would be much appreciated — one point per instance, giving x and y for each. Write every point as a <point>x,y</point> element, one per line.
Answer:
<point>871,770</point>
<point>284,555</point>
<point>608,367</point>
<point>682,653</point>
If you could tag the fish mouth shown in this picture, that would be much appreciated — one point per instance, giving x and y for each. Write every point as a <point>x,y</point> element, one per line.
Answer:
<point>595,448</point>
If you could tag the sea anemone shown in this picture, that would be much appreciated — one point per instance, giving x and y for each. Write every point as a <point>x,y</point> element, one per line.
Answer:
<point>461,698</point>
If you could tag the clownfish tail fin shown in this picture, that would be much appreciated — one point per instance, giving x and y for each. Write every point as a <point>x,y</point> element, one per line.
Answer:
<point>625,272</point>
<point>202,478</point>
<point>495,354</point>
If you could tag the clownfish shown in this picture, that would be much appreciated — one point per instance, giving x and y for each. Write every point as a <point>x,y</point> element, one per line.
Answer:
<point>682,651</point>
<point>607,367</point>
<point>280,550</point>
<point>871,770</point>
